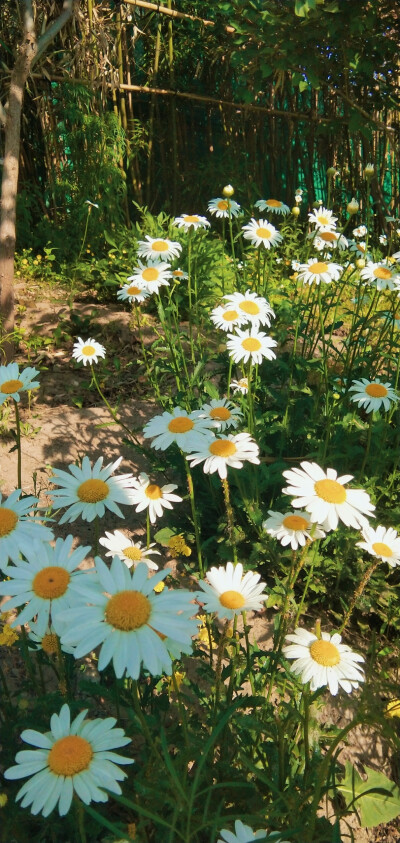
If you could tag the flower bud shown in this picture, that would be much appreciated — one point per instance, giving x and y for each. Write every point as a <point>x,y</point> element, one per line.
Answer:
<point>331,171</point>
<point>228,190</point>
<point>318,204</point>
<point>352,207</point>
<point>360,263</point>
<point>295,211</point>
<point>369,170</point>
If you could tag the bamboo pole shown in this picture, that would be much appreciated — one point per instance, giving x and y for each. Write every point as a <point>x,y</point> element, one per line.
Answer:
<point>163,10</point>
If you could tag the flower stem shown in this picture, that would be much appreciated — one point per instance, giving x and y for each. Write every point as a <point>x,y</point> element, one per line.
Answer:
<point>230,519</point>
<point>358,592</point>
<point>112,411</point>
<point>18,438</point>
<point>194,516</point>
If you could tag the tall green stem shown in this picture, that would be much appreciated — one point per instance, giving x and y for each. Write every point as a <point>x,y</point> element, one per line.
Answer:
<point>18,438</point>
<point>194,515</point>
<point>230,518</point>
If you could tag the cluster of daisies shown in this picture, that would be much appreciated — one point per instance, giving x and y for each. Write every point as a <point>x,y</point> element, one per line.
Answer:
<point>245,313</point>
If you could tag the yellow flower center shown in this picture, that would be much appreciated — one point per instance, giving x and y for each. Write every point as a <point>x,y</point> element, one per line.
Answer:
<point>382,549</point>
<point>88,350</point>
<point>191,218</point>
<point>382,272</point>
<point>222,448</point>
<point>51,582</point>
<point>251,344</point>
<point>178,273</point>
<point>92,490</point>
<point>330,491</point>
<point>295,522</point>
<point>361,247</point>
<point>322,219</point>
<point>70,755</point>
<point>8,521</point>
<point>318,267</point>
<point>160,246</point>
<point>249,307</point>
<point>243,382</point>
<point>220,413</point>
<point>150,274</point>
<point>229,315</point>
<point>222,205</point>
<point>273,203</point>
<point>232,599</point>
<point>8,387</point>
<point>376,390</point>
<point>50,643</point>
<point>128,610</point>
<point>264,233</point>
<point>328,236</point>
<point>153,492</point>
<point>134,291</point>
<point>325,653</point>
<point>180,424</point>
<point>134,553</point>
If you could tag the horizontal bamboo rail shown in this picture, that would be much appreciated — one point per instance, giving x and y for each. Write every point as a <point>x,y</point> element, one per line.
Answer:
<point>172,13</point>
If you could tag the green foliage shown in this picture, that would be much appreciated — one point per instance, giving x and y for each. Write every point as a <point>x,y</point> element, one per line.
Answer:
<point>375,798</point>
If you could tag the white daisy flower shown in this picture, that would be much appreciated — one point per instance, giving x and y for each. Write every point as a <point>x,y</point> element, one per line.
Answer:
<point>158,249</point>
<point>250,345</point>
<point>12,381</point>
<point>133,293</point>
<point>384,542</point>
<point>88,492</point>
<point>152,276</point>
<point>130,552</point>
<point>47,640</point>
<point>242,385</point>
<point>295,265</point>
<point>18,529</point>
<point>273,205</point>
<point>47,583</point>
<point>245,834</point>
<point>179,274</point>
<point>261,233</point>
<point>359,248</point>
<point>324,661</point>
<point>129,619</point>
<point>192,221</point>
<point>328,240</point>
<point>155,498</point>
<point>293,528</point>
<point>254,308</point>
<point>187,430</point>
<point>231,450</point>
<point>73,758</point>
<point>396,255</point>
<point>87,351</point>
<point>319,271</point>
<point>223,207</point>
<point>222,413</point>
<point>226,317</point>
<point>381,276</point>
<point>373,395</point>
<point>324,496</point>
<point>383,239</point>
<point>298,197</point>
<point>323,218</point>
<point>229,592</point>
<point>360,231</point>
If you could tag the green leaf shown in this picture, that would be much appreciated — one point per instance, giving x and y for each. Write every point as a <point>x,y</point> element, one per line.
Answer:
<point>163,536</point>
<point>303,85</point>
<point>377,799</point>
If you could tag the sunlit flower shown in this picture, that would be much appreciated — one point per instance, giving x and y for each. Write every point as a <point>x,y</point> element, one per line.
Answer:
<point>242,385</point>
<point>179,275</point>
<point>226,317</point>
<point>325,497</point>
<point>323,661</point>
<point>91,204</point>
<point>187,430</point>
<point>133,293</point>
<point>151,277</point>
<point>383,239</point>
<point>229,591</point>
<point>293,528</point>
<point>231,450</point>
<point>261,233</point>
<point>323,218</point>
<point>178,546</point>
<point>88,492</point>
<point>360,231</point>
<point>87,351</point>
<point>147,495</point>
<point>373,395</point>
<point>73,758</point>
<point>8,635</point>
<point>130,552</point>
<point>17,528</point>
<point>383,542</point>
<point>392,708</point>
<point>250,345</point>
<point>224,207</point>
<point>12,381</point>
<point>192,221</point>
<point>245,834</point>
<point>359,248</point>
<point>317,271</point>
<point>381,276</point>
<point>328,240</point>
<point>47,583</point>
<point>130,620</point>
<point>222,413</point>
<point>158,249</point>
<point>273,205</point>
<point>255,309</point>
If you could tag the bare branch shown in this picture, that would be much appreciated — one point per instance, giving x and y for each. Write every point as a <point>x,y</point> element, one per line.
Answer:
<point>54,28</point>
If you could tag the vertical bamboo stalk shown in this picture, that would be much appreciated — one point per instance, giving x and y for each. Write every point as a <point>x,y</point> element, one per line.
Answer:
<point>172,109</point>
<point>156,63</point>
